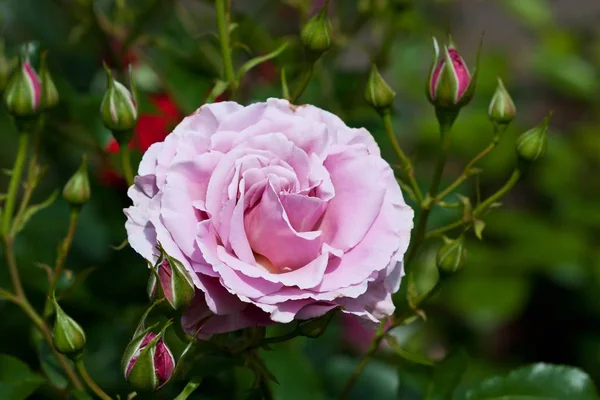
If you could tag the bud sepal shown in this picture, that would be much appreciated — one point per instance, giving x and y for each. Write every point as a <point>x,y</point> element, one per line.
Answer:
<point>24,90</point>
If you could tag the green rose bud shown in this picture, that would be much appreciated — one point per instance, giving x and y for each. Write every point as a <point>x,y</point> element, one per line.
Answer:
<point>378,93</point>
<point>532,144</point>
<point>119,108</point>
<point>68,337</point>
<point>502,110</point>
<point>316,34</point>
<point>23,93</point>
<point>49,93</point>
<point>77,190</point>
<point>451,256</point>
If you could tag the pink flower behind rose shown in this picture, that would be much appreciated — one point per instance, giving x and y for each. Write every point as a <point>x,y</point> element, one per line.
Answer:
<point>279,212</point>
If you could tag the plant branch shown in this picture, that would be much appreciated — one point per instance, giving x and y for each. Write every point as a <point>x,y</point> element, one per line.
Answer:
<point>223,26</point>
<point>187,390</point>
<point>89,381</point>
<point>303,84</point>
<point>405,163</point>
<point>125,154</point>
<point>15,179</point>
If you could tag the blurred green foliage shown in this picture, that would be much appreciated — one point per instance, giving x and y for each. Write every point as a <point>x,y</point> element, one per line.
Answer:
<point>529,291</point>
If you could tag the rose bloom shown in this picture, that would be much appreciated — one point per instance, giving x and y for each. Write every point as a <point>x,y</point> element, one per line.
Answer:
<point>279,212</point>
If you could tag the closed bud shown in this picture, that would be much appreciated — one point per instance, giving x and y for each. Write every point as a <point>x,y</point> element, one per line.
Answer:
<point>502,109</point>
<point>68,337</point>
<point>148,363</point>
<point>451,256</point>
<point>315,327</point>
<point>316,34</point>
<point>77,190</point>
<point>532,144</point>
<point>450,85</point>
<point>24,91</point>
<point>378,93</point>
<point>49,93</point>
<point>119,108</point>
<point>171,280</point>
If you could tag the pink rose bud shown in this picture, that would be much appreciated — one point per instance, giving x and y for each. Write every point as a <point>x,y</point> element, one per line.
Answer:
<point>24,91</point>
<point>450,85</point>
<point>148,363</point>
<point>176,285</point>
<point>119,109</point>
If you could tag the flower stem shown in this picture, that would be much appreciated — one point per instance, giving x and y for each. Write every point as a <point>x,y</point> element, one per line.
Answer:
<point>15,179</point>
<point>187,390</point>
<point>445,128</point>
<point>481,208</point>
<point>89,381</point>
<point>126,163</point>
<point>61,257</point>
<point>223,26</point>
<point>404,161</point>
<point>304,81</point>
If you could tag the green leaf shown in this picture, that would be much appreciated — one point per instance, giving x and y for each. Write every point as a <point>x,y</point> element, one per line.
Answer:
<point>16,379</point>
<point>259,60</point>
<point>32,210</point>
<point>479,225</point>
<point>447,375</point>
<point>536,382</point>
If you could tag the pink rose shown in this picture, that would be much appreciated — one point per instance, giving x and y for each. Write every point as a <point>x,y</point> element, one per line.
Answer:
<point>280,212</point>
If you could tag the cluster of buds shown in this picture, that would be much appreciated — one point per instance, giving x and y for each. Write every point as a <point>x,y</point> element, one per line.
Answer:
<point>28,92</point>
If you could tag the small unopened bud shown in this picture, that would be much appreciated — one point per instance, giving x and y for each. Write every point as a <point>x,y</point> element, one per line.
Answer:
<point>68,337</point>
<point>148,363</point>
<point>532,144</point>
<point>502,109</point>
<point>378,93</point>
<point>315,327</point>
<point>77,190</point>
<point>49,93</point>
<point>451,256</point>
<point>450,84</point>
<point>119,108</point>
<point>316,34</point>
<point>24,91</point>
<point>176,284</point>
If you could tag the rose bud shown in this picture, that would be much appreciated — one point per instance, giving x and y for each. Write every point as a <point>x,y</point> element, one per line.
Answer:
<point>532,144</point>
<point>68,337</point>
<point>49,93</point>
<point>24,91</point>
<point>148,363</point>
<point>77,190</point>
<point>451,256</point>
<point>119,108</point>
<point>502,109</point>
<point>316,34</point>
<point>176,285</point>
<point>378,93</point>
<point>450,85</point>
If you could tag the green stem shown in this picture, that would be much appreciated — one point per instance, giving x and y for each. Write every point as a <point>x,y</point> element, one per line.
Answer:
<point>481,208</point>
<point>61,257</point>
<point>404,161</point>
<point>89,381</point>
<point>15,180</point>
<point>126,163</point>
<point>223,26</point>
<point>303,84</point>
<point>21,300</point>
<point>188,390</point>
<point>375,343</point>
<point>419,236</point>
